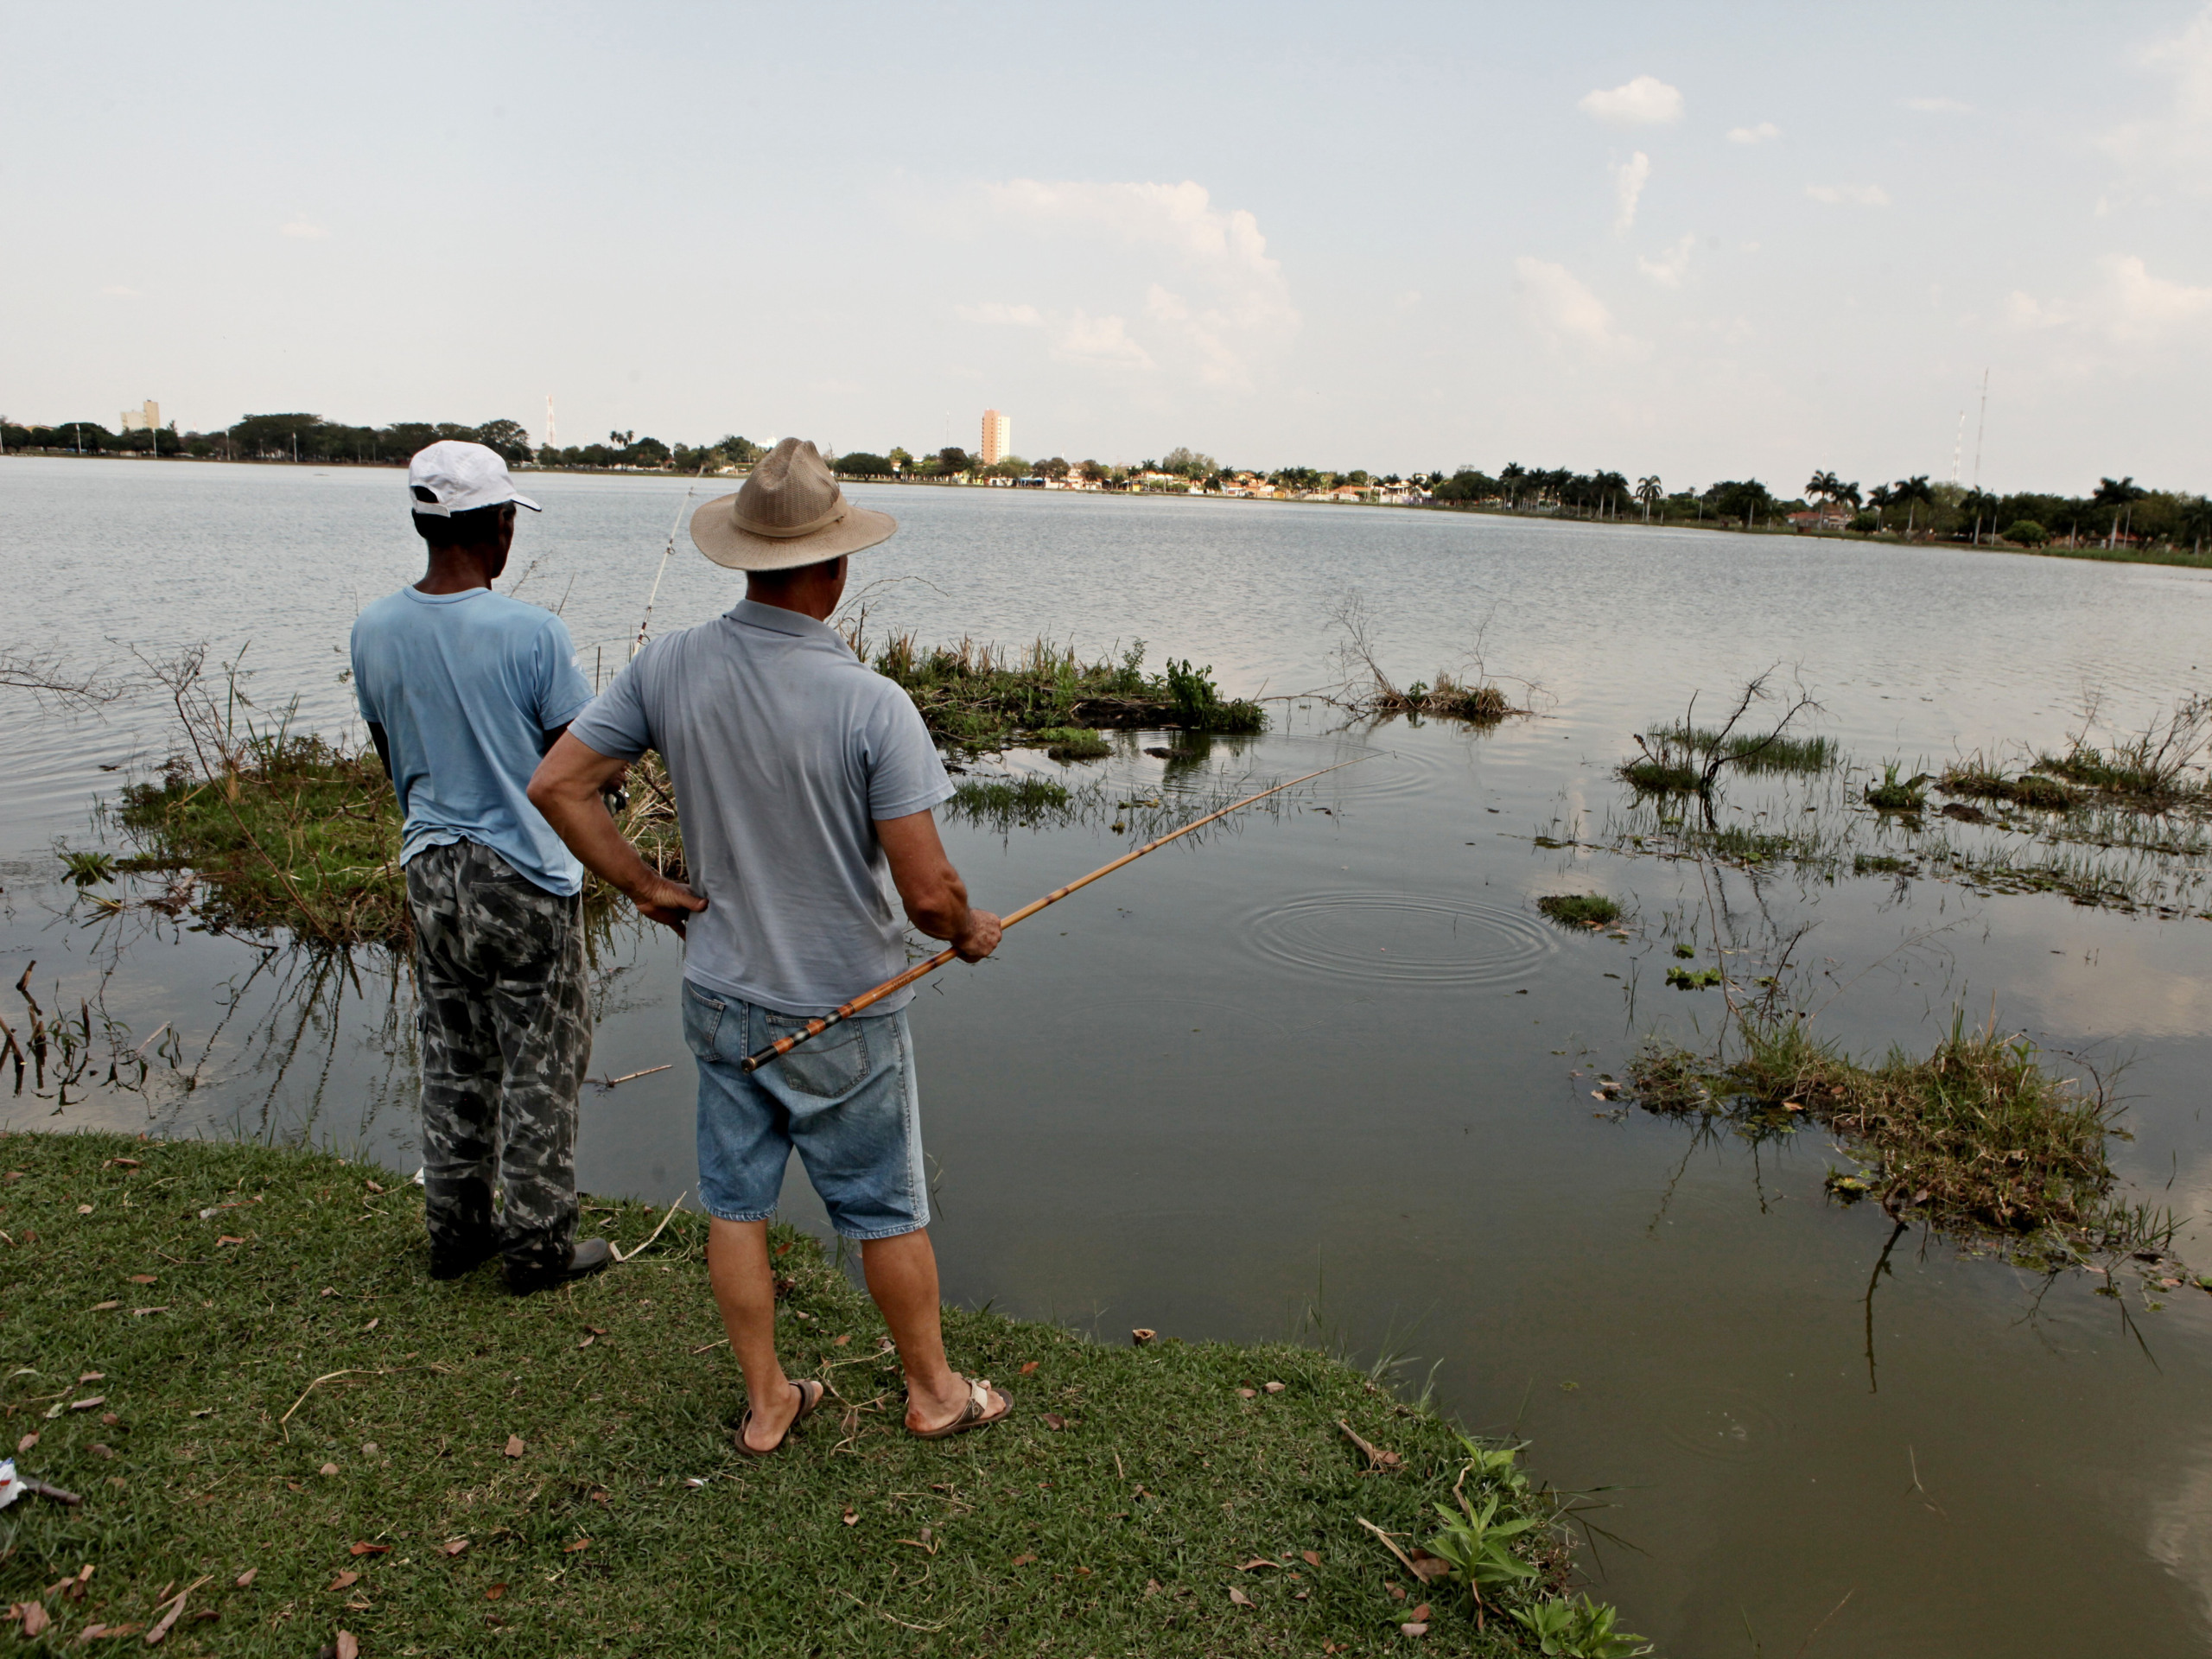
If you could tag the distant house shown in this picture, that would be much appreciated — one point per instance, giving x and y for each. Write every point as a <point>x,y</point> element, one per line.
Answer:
<point>1830,516</point>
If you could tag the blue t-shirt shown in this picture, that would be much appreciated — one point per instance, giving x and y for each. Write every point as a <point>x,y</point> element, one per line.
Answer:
<point>784,749</point>
<point>465,686</point>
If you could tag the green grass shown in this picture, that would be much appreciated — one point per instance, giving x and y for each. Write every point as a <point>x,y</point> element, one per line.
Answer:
<point>1003,802</point>
<point>298,834</point>
<point>1660,777</point>
<point>1579,909</point>
<point>626,1521</point>
<point>981,695</point>
<point>1979,1137</point>
<point>1753,752</point>
<point>1895,794</point>
<point>1068,743</point>
<point>1978,781</point>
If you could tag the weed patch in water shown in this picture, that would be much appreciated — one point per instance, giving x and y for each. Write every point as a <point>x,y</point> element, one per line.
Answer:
<point>1772,751</point>
<point>285,1435</point>
<point>1068,743</point>
<point>1978,1137</point>
<point>1976,781</point>
<point>1579,909</point>
<point>1895,794</point>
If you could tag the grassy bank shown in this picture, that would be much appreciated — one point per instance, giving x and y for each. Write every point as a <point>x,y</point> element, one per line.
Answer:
<point>235,1354</point>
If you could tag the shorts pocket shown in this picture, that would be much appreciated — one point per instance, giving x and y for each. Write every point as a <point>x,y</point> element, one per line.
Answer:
<point>829,1066</point>
<point>702,1022</point>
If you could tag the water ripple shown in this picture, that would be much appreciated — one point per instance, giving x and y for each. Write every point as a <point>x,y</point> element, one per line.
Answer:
<point>1401,937</point>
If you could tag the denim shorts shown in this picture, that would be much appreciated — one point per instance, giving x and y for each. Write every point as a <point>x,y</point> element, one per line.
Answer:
<point>846,1101</point>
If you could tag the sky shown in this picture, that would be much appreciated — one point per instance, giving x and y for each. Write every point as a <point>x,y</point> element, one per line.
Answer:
<point>1699,241</point>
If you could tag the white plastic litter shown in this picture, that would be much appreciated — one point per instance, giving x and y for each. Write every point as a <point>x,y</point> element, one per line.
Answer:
<point>11,1488</point>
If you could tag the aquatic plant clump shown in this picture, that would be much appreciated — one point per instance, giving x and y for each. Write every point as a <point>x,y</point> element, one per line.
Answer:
<point>1896,794</point>
<point>1978,781</point>
<point>1980,1136</point>
<point>1579,909</point>
<point>560,1468</point>
<point>1070,743</point>
<point>1770,752</point>
<point>978,696</point>
<point>299,834</point>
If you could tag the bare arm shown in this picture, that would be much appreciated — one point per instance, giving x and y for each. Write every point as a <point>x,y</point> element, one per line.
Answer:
<point>935,896</point>
<point>566,789</point>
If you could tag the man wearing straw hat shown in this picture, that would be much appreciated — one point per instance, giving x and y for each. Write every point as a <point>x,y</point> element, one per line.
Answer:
<point>802,778</point>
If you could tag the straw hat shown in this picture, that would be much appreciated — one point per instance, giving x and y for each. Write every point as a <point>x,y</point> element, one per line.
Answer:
<point>789,512</point>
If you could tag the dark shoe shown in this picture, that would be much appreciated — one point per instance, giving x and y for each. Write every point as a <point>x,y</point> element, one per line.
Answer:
<point>456,1260</point>
<point>810,1395</point>
<point>589,1256</point>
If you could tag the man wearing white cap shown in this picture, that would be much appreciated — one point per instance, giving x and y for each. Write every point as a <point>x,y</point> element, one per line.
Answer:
<point>464,688</point>
<point>802,780</point>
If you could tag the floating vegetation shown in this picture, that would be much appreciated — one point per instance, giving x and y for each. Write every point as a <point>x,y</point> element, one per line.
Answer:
<point>1024,798</point>
<point>1579,909</point>
<point>2161,763</point>
<point>1895,794</point>
<point>87,865</point>
<point>1068,743</point>
<point>1981,1136</point>
<point>1693,979</point>
<point>1369,691</point>
<point>1977,780</point>
<point>981,696</point>
<point>1776,751</point>
<point>1682,758</point>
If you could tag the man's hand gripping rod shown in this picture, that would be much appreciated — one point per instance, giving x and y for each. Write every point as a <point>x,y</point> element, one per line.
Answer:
<point>813,1028</point>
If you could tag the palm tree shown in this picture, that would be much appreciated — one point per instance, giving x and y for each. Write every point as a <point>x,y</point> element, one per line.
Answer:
<point>1511,477</point>
<point>2121,495</point>
<point>1824,486</point>
<point>1648,490</point>
<point>1915,492</point>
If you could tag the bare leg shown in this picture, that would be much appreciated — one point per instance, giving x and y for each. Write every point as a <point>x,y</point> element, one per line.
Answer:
<point>745,1289</point>
<point>902,1277</point>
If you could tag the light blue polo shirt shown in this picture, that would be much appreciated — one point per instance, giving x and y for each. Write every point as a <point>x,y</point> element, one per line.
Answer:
<point>465,686</point>
<point>784,748</point>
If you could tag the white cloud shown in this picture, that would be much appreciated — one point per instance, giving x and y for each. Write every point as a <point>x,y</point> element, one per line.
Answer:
<point>1099,342</point>
<point>1646,101</point>
<point>120,291</point>
<point>1629,180</point>
<point>305,231</point>
<point>1566,312</point>
<point>1236,302</point>
<point>991,311</point>
<point>1939,106</point>
<point>2128,305</point>
<point>2179,140</point>
<point>1763,133</point>
<point>1855,195</point>
<point>1670,267</point>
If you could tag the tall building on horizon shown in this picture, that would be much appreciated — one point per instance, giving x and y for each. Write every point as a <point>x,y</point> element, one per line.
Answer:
<point>998,437</point>
<point>146,419</point>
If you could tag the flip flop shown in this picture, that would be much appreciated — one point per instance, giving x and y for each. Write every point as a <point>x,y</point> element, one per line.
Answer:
<point>978,1415</point>
<point>810,1395</point>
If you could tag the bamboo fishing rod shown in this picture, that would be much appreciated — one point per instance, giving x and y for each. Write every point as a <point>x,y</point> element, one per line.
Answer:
<point>813,1028</point>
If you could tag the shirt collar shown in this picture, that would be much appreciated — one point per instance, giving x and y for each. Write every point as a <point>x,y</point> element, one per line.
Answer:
<point>777,619</point>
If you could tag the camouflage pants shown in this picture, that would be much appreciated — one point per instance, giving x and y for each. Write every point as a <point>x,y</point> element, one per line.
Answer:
<point>506,1037</point>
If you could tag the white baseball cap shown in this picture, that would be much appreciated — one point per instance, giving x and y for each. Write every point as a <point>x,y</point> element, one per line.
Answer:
<point>451,476</point>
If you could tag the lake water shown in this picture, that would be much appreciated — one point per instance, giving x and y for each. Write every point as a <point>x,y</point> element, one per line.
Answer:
<point>1332,1058</point>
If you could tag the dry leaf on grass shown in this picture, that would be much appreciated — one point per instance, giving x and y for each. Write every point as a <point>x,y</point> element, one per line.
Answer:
<point>1419,1614</point>
<point>514,1445</point>
<point>329,1469</point>
<point>363,1547</point>
<point>35,1618</point>
<point>245,1580</point>
<point>26,1442</point>
<point>1143,1334</point>
<point>841,1341</point>
<point>344,1581</point>
<point>581,1543</point>
<point>454,1546</point>
<point>1429,1568</point>
<point>1414,1627</point>
<point>1023,1561</point>
<point>87,1405</point>
<point>1241,1599</point>
<point>852,1515</point>
<point>84,1208</point>
<point>348,1648</point>
<point>227,1238</point>
<point>587,1342</point>
<point>495,1592</point>
<point>1276,1387</point>
<point>1312,1557</point>
<point>1054,1420</point>
<point>1027,1366</point>
<point>1247,1394</point>
<point>1376,1457</point>
<point>142,1277</point>
<point>102,1307</point>
<point>1255,1563</point>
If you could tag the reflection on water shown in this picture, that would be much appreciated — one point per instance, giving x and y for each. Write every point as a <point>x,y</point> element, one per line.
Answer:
<point>1332,1047</point>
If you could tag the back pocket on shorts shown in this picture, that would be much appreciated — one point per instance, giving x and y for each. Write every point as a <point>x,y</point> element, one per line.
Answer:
<point>827,1067</point>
